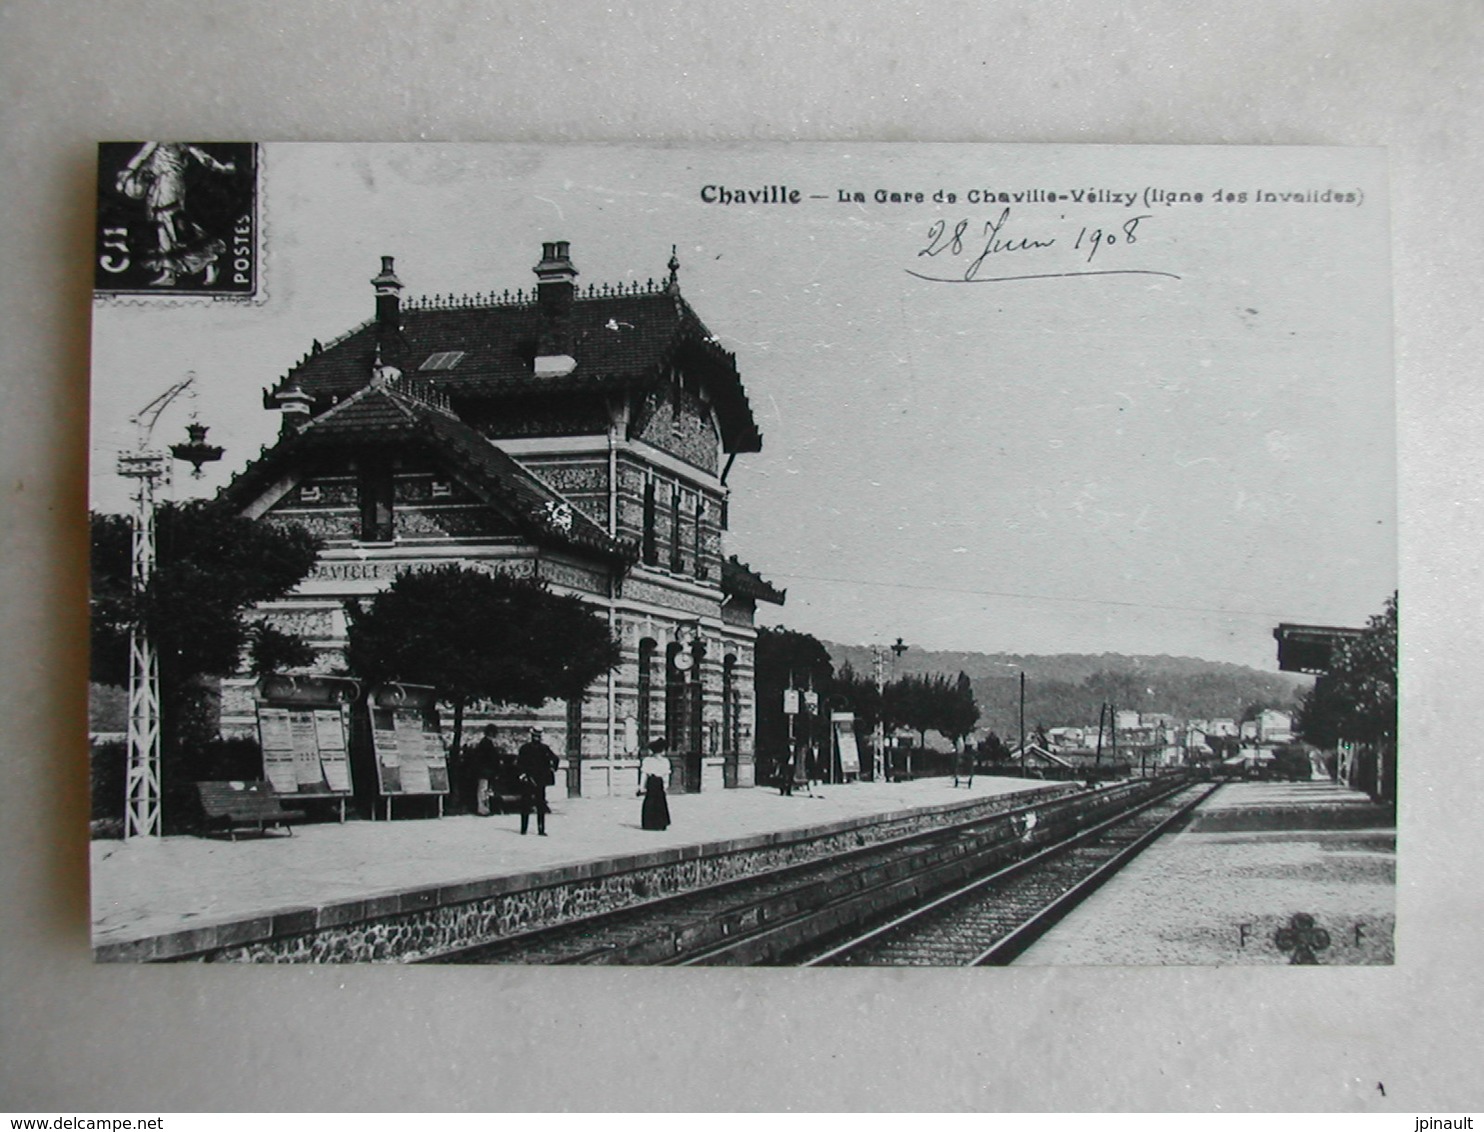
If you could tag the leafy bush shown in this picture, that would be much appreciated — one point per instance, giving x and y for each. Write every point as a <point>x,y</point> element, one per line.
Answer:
<point>238,758</point>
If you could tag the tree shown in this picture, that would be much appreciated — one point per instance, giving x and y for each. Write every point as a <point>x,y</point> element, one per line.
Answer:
<point>212,566</point>
<point>861,695</point>
<point>1355,701</point>
<point>474,635</point>
<point>785,658</point>
<point>908,702</point>
<point>272,650</point>
<point>993,749</point>
<point>932,703</point>
<point>959,712</point>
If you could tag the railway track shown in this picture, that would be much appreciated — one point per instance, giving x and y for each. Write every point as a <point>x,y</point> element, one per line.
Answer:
<point>780,916</point>
<point>991,920</point>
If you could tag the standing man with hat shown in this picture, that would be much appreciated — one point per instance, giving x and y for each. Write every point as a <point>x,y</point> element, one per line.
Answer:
<point>536,763</point>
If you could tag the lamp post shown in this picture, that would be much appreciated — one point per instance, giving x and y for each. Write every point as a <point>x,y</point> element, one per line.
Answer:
<point>150,468</point>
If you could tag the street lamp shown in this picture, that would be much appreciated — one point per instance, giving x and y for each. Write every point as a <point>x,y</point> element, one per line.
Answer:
<point>150,468</point>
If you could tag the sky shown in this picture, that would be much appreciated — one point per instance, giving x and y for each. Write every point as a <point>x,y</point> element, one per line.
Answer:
<point>1044,437</point>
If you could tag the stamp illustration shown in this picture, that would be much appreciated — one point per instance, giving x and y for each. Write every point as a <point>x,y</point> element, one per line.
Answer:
<point>177,218</point>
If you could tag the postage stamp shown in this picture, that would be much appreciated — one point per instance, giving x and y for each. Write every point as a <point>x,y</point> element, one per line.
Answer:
<point>772,555</point>
<point>177,219</point>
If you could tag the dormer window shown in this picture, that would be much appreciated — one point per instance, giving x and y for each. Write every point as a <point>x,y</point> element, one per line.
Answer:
<point>442,361</point>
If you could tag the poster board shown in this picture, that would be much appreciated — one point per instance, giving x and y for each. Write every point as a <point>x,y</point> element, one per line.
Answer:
<point>302,726</point>
<point>407,740</point>
<point>843,723</point>
<point>278,749</point>
<point>331,726</point>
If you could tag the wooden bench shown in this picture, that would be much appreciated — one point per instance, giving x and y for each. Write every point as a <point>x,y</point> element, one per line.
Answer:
<point>244,805</point>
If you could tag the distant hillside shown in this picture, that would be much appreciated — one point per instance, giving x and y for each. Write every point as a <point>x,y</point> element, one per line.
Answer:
<point>1065,689</point>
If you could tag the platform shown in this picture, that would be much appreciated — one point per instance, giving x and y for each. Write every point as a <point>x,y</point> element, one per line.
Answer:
<point>176,896</point>
<point>1233,887</point>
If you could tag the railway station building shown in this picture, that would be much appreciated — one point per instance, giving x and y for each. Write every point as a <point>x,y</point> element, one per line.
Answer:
<point>581,435</point>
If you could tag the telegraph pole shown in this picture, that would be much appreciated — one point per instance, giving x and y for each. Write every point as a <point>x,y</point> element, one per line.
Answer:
<point>1022,723</point>
<point>878,657</point>
<point>1098,761</point>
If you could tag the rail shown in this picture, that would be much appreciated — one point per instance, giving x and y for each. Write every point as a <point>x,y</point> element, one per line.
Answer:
<point>765,918</point>
<point>994,918</point>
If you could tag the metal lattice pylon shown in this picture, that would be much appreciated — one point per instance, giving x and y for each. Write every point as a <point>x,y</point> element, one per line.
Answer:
<point>142,781</point>
<point>150,468</point>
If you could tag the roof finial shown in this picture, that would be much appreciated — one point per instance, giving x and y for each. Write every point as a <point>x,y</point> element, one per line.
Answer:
<point>674,266</point>
<point>382,374</point>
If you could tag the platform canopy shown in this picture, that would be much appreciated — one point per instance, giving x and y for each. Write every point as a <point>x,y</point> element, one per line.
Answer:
<point>1310,648</point>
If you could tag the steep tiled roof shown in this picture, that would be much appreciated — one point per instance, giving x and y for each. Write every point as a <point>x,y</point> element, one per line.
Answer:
<point>395,413</point>
<point>622,338</point>
<point>374,409</point>
<point>739,580</point>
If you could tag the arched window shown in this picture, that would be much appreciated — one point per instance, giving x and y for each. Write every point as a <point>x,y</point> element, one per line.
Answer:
<point>730,722</point>
<point>574,744</point>
<point>675,701</point>
<point>695,696</point>
<point>646,690</point>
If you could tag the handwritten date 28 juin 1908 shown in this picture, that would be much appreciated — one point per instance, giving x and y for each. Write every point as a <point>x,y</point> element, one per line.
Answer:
<point>995,238</point>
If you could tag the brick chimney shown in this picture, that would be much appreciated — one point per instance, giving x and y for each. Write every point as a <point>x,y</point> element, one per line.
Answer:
<point>388,301</point>
<point>556,290</point>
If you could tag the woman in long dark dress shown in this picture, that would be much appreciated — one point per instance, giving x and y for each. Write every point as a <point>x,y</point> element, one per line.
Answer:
<point>654,772</point>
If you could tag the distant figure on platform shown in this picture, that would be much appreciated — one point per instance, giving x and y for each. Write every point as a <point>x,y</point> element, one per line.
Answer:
<point>654,772</point>
<point>536,763</point>
<point>963,767</point>
<point>806,768</point>
<point>505,786</point>
<point>786,774</point>
<point>481,772</point>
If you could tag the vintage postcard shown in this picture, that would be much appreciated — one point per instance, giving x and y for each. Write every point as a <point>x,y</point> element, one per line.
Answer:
<point>869,555</point>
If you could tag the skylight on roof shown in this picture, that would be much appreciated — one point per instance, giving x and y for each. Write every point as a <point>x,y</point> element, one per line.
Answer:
<point>445,359</point>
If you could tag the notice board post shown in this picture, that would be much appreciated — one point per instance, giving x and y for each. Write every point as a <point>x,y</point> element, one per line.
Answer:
<point>842,724</point>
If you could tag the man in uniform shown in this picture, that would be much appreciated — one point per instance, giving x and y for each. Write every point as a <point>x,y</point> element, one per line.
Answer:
<point>536,763</point>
